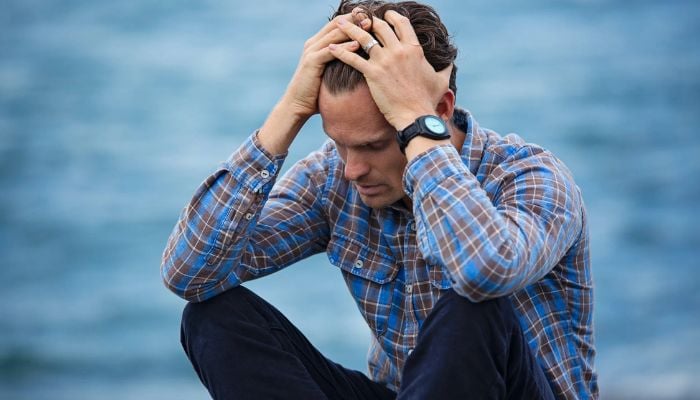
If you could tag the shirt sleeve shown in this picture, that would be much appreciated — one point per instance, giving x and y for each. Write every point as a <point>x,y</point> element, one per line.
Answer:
<point>502,234</point>
<point>237,227</point>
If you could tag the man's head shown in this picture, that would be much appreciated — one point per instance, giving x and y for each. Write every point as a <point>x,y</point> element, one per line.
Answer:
<point>365,141</point>
<point>431,32</point>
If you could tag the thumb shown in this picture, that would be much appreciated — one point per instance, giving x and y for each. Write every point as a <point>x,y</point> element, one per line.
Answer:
<point>444,77</point>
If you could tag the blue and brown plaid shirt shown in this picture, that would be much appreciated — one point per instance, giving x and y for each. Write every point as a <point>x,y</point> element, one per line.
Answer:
<point>500,217</point>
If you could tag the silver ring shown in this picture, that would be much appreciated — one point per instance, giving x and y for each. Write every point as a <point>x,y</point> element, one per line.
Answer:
<point>369,45</point>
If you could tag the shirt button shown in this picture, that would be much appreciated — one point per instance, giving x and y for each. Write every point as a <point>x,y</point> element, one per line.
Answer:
<point>265,174</point>
<point>409,288</point>
<point>412,226</point>
<point>359,264</point>
<point>410,351</point>
<point>249,216</point>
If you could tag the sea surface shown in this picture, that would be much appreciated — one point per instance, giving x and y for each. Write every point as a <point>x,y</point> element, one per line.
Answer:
<point>113,112</point>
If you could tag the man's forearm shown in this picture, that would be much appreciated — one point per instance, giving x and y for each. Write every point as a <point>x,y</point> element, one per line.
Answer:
<point>419,145</point>
<point>498,240</point>
<point>280,128</point>
<point>300,101</point>
<point>204,253</point>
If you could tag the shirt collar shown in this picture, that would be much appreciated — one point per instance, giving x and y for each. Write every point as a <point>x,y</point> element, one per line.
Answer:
<point>474,141</point>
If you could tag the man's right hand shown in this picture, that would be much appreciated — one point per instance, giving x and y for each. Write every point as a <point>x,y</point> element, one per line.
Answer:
<point>302,92</point>
<point>300,101</point>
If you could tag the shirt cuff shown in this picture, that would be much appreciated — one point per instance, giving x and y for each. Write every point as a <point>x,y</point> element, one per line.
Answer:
<point>253,166</point>
<point>430,168</point>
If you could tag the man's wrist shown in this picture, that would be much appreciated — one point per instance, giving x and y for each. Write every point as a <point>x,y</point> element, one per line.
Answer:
<point>419,145</point>
<point>429,127</point>
<point>292,111</point>
<point>281,128</point>
<point>402,121</point>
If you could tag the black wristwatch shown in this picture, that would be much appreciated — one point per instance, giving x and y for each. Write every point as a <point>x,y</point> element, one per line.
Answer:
<point>429,126</point>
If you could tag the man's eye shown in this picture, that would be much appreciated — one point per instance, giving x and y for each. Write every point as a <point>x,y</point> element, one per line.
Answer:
<point>377,145</point>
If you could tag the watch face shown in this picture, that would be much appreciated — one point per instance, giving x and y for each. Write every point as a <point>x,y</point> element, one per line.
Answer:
<point>435,125</point>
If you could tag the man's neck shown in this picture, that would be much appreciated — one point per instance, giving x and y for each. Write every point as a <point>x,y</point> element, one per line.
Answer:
<point>457,126</point>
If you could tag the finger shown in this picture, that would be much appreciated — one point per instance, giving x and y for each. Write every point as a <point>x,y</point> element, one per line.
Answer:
<point>384,32</point>
<point>355,33</point>
<point>402,26</point>
<point>366,24</point>
<point>334,36</point>
<point>361,18</point>
<point>349,57</point>
<point>446,72</point>
<point>445,75</point>
<point>332,24</point>
<point>325,55</point>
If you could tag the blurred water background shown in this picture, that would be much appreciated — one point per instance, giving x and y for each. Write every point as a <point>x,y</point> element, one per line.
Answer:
<point>111,113</point>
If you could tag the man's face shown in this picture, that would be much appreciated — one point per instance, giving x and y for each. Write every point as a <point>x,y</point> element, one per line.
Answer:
<point>367,144</point>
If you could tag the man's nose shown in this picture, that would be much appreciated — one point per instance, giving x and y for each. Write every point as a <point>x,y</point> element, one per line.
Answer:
<point>355,167</point>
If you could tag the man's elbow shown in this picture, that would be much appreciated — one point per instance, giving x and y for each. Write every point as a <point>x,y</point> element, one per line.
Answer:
<point>478,291</point>
<point>194,287</point>
<point>173,281</point>
<point>494,278</point>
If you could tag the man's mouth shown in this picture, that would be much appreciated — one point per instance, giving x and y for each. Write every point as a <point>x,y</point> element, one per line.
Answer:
<point>368,190</point>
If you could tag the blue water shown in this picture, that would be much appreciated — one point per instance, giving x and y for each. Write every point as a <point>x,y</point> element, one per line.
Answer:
<point>111,113</point>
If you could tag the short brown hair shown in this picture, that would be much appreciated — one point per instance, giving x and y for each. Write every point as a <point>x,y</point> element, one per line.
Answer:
<point>339,77</point>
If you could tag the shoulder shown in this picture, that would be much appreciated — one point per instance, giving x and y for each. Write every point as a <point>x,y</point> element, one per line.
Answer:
<point>511,147</point>
<point>512,168</point>
<point>321,168</point>
<point>319,164</point>
<point>512,153</point>
<point>491,156</point>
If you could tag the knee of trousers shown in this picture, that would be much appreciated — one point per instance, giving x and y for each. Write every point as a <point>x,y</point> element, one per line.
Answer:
<point>222,312</point>
<point>460,314</point>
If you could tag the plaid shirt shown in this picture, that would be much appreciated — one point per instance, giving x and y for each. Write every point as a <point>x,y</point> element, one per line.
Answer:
<point>501,217</point>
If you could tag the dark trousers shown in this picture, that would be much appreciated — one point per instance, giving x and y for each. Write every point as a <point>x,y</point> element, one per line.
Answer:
<point>244,348</point>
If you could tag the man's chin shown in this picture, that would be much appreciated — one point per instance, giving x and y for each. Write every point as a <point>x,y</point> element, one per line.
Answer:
<point>377,202</point>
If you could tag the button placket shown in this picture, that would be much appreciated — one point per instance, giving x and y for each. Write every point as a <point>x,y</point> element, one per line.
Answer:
<point>412,226</point>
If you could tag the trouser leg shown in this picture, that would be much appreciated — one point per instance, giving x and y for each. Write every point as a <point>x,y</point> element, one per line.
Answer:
<point>475,351</point>
<point>244,348</point>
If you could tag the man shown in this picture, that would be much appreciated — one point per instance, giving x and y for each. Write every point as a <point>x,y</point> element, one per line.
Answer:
<point>466,252</point>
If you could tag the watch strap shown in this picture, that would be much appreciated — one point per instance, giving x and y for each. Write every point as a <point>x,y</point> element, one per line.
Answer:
<point>419,128</point>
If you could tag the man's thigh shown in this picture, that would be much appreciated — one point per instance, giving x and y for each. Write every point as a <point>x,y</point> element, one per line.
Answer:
<point>243,347</point>
<point>472,350</point>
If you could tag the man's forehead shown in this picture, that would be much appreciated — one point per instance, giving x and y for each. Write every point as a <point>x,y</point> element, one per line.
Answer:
<point>359,137</point>
<point>351,118</point>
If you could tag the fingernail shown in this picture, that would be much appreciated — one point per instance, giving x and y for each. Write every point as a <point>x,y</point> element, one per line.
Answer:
<point>341,21</point>
<point>332,46</point>
<point>365,23</point>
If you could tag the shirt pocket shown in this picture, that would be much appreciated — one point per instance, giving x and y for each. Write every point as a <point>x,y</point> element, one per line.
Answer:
<point>370,275</point>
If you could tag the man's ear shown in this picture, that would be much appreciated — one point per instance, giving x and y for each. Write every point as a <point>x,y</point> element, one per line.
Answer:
<point>446,106</point>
